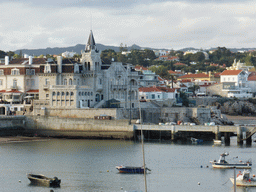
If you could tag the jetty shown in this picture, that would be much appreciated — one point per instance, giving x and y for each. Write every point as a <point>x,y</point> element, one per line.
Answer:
<point>118,129</point>
<point>173,132</point>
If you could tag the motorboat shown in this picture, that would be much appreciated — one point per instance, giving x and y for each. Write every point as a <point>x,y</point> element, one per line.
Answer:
<point>223,164</point>
<point>39,179</point>
<point>194,140</point>
<point>130,169</point>
<point>244,179</point>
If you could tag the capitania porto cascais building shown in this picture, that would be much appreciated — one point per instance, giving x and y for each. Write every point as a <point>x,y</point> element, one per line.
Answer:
<point>87,83</point>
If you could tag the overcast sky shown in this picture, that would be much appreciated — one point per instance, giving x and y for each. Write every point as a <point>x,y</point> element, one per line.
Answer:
<point>171,24</point>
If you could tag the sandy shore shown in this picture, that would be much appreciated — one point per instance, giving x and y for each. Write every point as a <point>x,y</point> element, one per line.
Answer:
<point>21,139</point>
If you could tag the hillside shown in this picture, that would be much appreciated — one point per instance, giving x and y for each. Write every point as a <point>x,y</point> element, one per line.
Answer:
<point>77,48</point>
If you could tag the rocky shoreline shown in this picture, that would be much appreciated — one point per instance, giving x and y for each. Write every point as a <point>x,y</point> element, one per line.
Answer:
<point>11,139</point>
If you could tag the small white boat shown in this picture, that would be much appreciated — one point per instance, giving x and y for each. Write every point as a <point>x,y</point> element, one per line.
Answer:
<point>244,179</point>
<point>223,164</point>
<point>217,141</point>
<point>194,140</point>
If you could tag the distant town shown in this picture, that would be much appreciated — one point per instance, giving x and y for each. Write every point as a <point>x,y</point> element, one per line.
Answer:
<point>93,79</point>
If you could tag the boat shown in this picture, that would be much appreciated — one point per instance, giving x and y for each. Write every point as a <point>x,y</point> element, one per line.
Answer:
<point>43,180</point>
<point>194,140</point>
<point>244,179</point>
<point>217,141</point>
<point>223,164</point>
<point>131,169</point>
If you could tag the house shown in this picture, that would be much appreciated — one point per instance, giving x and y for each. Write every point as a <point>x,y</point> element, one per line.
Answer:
<point>235,83</point>
<point>19,78</point>
<point>157,93</point>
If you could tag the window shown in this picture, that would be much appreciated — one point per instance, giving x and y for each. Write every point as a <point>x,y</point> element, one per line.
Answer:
<point>15,71</point>
<point>47,68</point>
<point>71,93</point>
<point>53,93</point>
<point>47,82</point>
<point>32,72</point>
<point>1,72</point>
<point>62,93</point>
<point>67,93</point>
<point>65,82</point>
<point>70,82</point>
<point>1,82</point>
<point>153,96</point>
<point>47,95</point>
<point>14,83</point>
<point>58,93</point>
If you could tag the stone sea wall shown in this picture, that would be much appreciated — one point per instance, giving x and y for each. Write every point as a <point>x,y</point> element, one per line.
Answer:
<point>78,127</point>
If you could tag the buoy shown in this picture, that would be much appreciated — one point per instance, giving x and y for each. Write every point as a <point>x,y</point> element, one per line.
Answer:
<point>198,183</point>
<point>107,170</point>
<point>207,166</point>
<point>201,166</point>
<point>121,188</point>
<point>20,181</point>
<point>253,175</point>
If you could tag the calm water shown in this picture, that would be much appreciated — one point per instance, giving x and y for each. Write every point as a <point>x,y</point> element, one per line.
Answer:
<point>89,165</point>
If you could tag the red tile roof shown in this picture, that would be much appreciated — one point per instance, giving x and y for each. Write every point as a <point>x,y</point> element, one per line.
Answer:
<point>252,76</point>
<point>198,75</point>
<point>217,75</point>
<point>13,91</point>
<point>141,68</point>
<point>2,91</point>
<point>231,72</point>
<point>156,89</point>
<point>22,60</point>
<point>33,91</point>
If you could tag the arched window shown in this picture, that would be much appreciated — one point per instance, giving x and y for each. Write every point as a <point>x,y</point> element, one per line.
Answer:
<point>65,82</point>
<point>53,93</point>
<point>70,82</point>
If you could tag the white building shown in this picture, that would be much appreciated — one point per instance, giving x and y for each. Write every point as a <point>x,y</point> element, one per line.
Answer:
<point>157,93</point>
<point>235,83</point>
<point>68,54</point>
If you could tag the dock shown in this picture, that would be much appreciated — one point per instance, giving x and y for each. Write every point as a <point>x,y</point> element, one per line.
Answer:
<point>174,132</point>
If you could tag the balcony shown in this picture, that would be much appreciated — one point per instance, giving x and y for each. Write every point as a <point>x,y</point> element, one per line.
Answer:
<point>119,87</point>
<point>46,87</point>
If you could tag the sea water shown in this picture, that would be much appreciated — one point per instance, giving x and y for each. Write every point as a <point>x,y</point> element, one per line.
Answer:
<point>89,165</point>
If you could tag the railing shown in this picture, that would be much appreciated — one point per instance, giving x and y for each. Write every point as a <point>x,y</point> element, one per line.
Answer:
<point>124,87</point>
<point>64,86</point>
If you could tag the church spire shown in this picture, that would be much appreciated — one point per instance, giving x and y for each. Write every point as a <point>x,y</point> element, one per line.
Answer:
<point>91,45</point>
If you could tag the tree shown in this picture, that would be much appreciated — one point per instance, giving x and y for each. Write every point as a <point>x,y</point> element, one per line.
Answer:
<point>107,56</point>
<point>2,54</point>
<point>194,88</point>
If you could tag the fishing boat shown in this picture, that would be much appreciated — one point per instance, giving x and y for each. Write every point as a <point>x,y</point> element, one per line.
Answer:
<point>223,164</point>
<point>244,179</point>
<point>43,180</point>
<point>130,169</point>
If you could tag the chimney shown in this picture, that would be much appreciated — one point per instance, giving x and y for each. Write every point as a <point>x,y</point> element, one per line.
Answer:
<point>30,60</point>
<point>59,63</point>
<point>6,60</point>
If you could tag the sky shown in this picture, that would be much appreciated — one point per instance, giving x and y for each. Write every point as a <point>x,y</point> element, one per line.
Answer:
<point>161,24</point>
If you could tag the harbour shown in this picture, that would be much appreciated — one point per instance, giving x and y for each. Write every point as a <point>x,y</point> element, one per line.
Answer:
<point>89,165</point>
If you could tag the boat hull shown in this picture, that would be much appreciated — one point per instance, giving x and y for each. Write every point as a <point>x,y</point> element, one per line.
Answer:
<point>230,166</point>
<point>43,180</point>
<point>125,169</point>
<point>244,183</point>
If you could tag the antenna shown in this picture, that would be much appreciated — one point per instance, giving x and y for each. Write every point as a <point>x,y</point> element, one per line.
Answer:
<point>91,21</point>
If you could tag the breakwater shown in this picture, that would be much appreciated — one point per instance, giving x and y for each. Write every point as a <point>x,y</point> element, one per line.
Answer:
<point>48,126</point>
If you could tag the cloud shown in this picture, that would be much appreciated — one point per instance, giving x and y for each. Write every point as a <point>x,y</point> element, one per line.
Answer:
<point>156,24</point>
